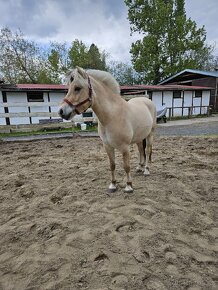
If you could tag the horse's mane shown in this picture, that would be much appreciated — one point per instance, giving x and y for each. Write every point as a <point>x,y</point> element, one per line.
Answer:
<point>106,78</point>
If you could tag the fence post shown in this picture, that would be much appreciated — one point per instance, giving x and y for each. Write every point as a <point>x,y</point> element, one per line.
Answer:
<point>170,113</point>
<point>189,112</point>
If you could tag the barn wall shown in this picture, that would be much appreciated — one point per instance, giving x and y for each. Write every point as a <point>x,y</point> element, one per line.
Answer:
<point>2,120</point>
<point>187,102</point>
<point>157,99</point>
<point>17,97</point>
<point>55,97</point>
<point>13,98</point>
<point>160,98</point>
<point>43,109</point>
<point>178,106</point>
<point>209,82</point>
<point>167,100</point>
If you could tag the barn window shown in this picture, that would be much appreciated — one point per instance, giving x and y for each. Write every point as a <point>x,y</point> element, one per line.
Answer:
<point>35,97</point>
<point>198,94</point>
<point>177,94</point>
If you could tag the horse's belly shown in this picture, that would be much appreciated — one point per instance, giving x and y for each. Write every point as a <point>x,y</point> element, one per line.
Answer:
<point>142,124</point>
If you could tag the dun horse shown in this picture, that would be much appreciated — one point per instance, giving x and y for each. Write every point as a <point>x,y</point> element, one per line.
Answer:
<point>120,123</point>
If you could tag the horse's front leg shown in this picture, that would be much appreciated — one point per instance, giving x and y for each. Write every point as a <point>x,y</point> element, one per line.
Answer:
<point>126,165</point>
<point>111,154</point>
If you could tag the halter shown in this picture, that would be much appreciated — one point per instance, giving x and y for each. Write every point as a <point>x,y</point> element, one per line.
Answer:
<point>89,99</point>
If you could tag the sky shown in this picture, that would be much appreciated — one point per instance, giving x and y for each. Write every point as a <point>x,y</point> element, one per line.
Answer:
<point>103,22</point>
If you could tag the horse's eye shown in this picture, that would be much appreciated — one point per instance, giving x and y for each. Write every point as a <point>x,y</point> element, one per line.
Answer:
<point>71,79</point>
<point>77,89</point>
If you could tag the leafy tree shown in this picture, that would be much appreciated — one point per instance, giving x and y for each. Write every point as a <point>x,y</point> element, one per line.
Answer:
<point>124,73</point>
<point>58,61</point>
<point>20,58</point>
<point>78,54</point>
<point>86,57</point>
<point>23,61</point>
<point>211,64</point>
<point>96,60</point>
<point>170,42</point>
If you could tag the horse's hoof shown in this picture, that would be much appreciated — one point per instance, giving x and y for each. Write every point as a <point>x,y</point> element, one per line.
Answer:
<point>112,187</point>
<point>146,172</point>
<point>128,189</point>
<point>111,190</point>
<point>139,169</point>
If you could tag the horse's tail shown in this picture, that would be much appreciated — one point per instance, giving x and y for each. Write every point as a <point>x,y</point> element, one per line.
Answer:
<point>144,147</point>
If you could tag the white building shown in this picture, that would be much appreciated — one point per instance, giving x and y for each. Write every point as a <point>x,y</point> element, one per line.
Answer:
<point>29,103</point>
<point>32,103</point>
<point>180,100</point>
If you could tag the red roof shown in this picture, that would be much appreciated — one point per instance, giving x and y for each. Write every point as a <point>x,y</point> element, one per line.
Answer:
<point>163,87</point>
<point>124,89</point>
<point>41,87</point>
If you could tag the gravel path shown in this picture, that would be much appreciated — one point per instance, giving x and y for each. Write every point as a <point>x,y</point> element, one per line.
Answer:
<point>189,130</point>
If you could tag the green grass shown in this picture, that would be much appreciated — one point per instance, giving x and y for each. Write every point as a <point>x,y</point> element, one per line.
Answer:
<point>46,131</point>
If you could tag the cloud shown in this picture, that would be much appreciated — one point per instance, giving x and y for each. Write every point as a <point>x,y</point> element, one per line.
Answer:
<point>205,14</point>
<point>103,22</point>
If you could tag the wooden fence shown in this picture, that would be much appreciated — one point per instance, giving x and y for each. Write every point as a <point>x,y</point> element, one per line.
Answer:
<point>27,112</point>
<point>190,111</point>
<point>52,117</point>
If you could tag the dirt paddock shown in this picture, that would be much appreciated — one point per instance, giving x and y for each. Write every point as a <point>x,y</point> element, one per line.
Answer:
<point>60,230</point>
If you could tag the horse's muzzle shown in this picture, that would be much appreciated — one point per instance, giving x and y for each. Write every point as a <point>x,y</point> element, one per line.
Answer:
<point>66,113</point>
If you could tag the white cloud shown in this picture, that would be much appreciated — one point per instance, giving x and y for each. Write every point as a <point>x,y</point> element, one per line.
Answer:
<point>204,13</point>
<point>103,22</point>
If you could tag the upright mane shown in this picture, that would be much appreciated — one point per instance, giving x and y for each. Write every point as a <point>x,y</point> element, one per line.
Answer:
<point>106,78</point>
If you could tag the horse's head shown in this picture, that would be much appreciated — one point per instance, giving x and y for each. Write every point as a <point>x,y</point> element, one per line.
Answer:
<point>79,95</point>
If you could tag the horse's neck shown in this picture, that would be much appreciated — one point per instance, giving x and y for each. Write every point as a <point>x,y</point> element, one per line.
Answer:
<point>105,103</point>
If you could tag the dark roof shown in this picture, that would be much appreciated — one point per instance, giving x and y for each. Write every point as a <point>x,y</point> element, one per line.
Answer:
<point>189,74</point>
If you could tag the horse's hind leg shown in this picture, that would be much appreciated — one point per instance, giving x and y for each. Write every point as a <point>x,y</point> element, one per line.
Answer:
<point>111,155</point>
<point>141,149</point>
<point>148,152</point>
<point>126,165</point>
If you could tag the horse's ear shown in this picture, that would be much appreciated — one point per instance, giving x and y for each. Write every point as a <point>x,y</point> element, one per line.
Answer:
<point>82,72</point>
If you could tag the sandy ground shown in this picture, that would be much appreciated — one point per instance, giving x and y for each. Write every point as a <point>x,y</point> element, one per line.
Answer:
<point>60,230</point>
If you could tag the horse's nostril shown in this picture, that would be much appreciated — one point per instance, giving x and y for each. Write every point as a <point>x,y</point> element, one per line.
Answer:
<point>61,112</point>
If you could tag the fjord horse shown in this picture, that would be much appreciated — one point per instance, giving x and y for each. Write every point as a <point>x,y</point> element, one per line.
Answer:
<point>120,123</point>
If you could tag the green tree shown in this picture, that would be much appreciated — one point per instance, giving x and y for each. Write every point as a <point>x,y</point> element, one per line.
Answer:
<point>170,41</point>
<point>58,61</point>
<point>78,54</point>
<point>97,60</point>
<point>20,60</point>
<point>124,73</point>
<point>86,57</point>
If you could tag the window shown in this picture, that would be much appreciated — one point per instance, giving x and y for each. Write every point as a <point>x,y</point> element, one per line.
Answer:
<point>177,94</point>
<point>198,94</point>
<point>35,97</point>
